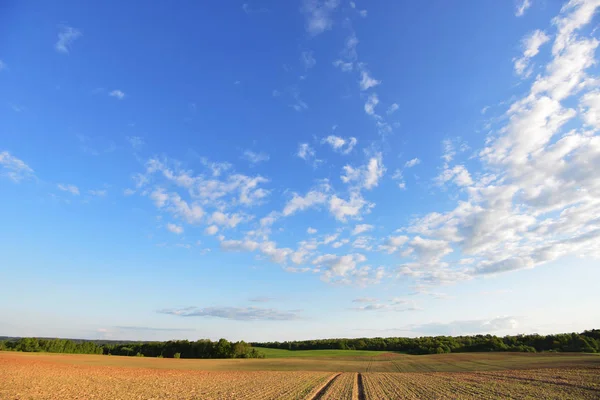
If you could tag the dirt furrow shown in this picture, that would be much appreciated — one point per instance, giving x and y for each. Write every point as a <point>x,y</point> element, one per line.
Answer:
<point>319,392</point>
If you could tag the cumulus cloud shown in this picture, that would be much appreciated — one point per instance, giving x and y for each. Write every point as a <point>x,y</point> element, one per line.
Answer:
<point>211,230</point>
<point>537,197</point>
<point>177,229</point>
<point>457,174</point>
<point>74,190</point>
<point>14,168</point>
<point>339,144</point>
<point>300,203</point>
<point>225,219</point>
<point>366,176</point>
<point>353,208</point>
<point>311,231</point>
<point>66,36</point>
<point>347,269</point>
<point>234,313</point>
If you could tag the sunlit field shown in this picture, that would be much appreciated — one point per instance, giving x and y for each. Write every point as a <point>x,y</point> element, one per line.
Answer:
<point>331,375</point>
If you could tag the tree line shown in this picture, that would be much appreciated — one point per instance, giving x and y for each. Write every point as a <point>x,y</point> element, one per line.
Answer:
<point>587,341</point>
<point>171,349</point>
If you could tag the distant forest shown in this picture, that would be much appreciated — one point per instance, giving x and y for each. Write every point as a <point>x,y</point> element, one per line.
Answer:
<point>587,341</point>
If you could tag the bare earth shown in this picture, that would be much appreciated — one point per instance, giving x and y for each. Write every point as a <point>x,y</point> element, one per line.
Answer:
<point>52,376</point>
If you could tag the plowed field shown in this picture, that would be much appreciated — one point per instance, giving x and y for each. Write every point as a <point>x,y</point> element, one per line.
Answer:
<point>43,377</point>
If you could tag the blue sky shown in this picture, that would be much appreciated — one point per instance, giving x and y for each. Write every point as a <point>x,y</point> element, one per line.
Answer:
<point>290,170</point>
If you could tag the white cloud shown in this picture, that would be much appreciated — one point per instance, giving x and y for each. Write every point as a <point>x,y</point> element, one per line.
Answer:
<point>339,144</point>
<point>371,103</point>
<point>393,243</point>
<point>366,176</point>
<point>346,269</point>
<point>255,158</point>
<point>363,13</point>
<point>234,313</point>
<point>319,15</point>
<point>135,141</point>
<point>364,300</point>
<point>172,202</point>
<point>227,220</point>
<point>211,230</point>
<point>74,190</point>
<point>343,65</point>
<point>507,324</point>
<point>177,229</point>
<point>311,231</point>
<point>118,94</point>
<point>66,37</point>
<point>2,65</point>
<point>531,47</point>
<point>14,168</point>
<point>522,6</point>
<point>367,81</point>
<point>352,208</point>
<point>361,228</point>
<point>340,243</point>
<point>305,152</point>
<point>301,203</point>
<point>128,192</point>
<point>308,59</point>
<point>458,174</point>
<point>392,109</point>
<point>98,192</point>
<point>412,163</point>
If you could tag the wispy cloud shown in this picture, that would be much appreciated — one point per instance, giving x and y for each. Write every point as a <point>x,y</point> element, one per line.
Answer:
<point>260,299</point>
<point>318,15</point>
<point>14,168</point>
<point>412,163</point>
<point>98,192</point>
<point>174,228</point>
<point>248,9</point>
<point>74,190</point>
<point>235,313</point>
<point>522,6</point>
<point>66,37</point>
<point>392,109</point>
<point>531,47</point>
<point>118,94</point>
<point>466,327</point>
<point>308,59</point>
<point>254,157</point>
<point>2,65</point>
<point>147,328</point>
<point>136,142</point>
<point>339,144</point>
<point>367,81</point>
<point>371,103</point>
